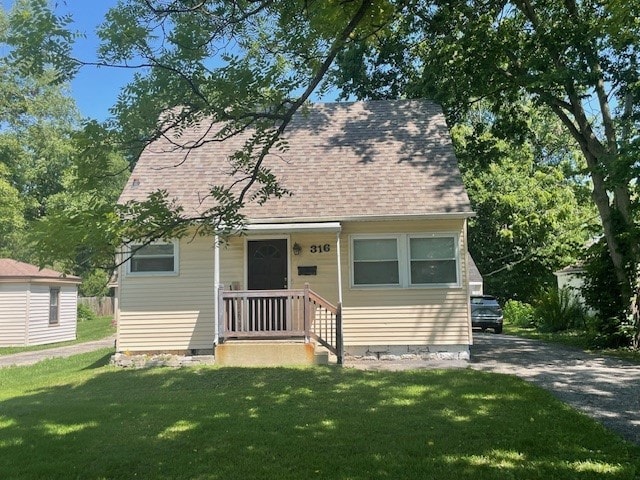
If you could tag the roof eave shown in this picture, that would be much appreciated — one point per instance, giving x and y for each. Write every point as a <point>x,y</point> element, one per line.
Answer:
<point>48,280</point>
<point>366,218</point>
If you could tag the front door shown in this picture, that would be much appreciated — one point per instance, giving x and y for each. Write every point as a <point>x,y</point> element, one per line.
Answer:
<point>267,269</point>
<point>267,264</point>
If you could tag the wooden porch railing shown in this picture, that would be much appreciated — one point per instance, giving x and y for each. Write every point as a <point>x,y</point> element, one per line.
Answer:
<point>252,314</point>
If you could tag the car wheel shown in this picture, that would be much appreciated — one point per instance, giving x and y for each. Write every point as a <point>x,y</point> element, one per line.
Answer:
<point>498,329</point>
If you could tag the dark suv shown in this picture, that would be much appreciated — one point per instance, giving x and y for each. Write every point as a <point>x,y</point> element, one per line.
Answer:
<point>486,313</point>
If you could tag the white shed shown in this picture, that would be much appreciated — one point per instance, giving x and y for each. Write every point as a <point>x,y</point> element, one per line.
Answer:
<point>572,279</point>
<point>37,306</point>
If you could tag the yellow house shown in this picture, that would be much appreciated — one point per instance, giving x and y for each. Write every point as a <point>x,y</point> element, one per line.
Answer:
<point>367,256</point>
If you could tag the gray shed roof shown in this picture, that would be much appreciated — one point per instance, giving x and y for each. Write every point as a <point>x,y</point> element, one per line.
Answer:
<point>344,161</point>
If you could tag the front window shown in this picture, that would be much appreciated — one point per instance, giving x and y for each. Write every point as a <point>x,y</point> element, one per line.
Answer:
<point>54,305</point>
<point>375,261</point>
<point>153,258</point>
<point>433,260</point>
<point>405,260</point>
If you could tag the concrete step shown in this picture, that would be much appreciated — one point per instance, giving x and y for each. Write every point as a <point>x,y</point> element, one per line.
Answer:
<point>268,354</point>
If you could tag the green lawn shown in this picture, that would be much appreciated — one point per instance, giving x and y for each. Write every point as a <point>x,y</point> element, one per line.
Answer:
<point>88,330</point>
<point>80,418</point>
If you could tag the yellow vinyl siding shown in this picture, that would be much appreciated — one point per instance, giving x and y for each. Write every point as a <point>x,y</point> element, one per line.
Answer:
<point>13,314</point>
<point>232,259</point>
<point>405,316</point>
<point>176,312</point>
<point>325,283</point>
<point>170,312</point>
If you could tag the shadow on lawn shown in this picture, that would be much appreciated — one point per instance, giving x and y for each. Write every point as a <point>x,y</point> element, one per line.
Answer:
<point>101,362</point>
<point>300,423</point>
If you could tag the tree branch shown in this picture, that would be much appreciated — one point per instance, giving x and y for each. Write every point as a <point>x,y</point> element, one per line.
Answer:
<point>336,47</point>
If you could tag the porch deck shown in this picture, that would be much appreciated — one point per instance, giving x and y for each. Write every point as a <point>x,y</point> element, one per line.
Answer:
<point>280,314</point>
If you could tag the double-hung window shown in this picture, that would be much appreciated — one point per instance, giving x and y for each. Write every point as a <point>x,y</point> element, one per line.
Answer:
<point>155,258</point>
<point>405,260</point>
<point>54,305</point>
<point>433,260</point>
<point>375,261</point>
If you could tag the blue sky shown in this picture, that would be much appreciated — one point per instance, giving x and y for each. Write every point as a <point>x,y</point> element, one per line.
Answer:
<point>94,89</point>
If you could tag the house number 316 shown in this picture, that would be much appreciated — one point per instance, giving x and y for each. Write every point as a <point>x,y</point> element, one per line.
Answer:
<point>320,248</point>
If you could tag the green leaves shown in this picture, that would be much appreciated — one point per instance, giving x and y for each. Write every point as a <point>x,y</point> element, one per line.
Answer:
<point>230,67</point>
<point>81,229</point>
<point>532,216</point>
<point>40,42</point>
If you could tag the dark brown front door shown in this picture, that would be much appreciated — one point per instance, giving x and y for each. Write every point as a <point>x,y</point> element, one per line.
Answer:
<point>267,269</point>
<point>267,264</point>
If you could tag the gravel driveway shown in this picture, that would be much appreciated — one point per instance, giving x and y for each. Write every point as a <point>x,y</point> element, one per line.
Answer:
<point>30,358</point>
<point>604,388</point>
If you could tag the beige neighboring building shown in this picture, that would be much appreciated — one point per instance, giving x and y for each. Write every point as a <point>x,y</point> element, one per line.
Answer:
<point>36,306</point>
<point>371,243</point>
<point>476,282</point>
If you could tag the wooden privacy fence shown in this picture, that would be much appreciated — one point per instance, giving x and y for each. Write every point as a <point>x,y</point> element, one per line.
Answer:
<point>246,314</point>
<point>99,305</point>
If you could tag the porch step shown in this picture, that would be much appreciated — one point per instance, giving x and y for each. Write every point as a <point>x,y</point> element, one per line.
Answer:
<point>268,354</point>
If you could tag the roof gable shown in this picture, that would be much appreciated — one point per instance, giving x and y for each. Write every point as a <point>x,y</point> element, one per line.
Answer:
<point>344,160</point>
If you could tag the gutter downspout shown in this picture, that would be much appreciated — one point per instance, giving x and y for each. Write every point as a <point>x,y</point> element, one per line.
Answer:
<point>339,332</point>
<point>466,280</point>
<point>216,288</point>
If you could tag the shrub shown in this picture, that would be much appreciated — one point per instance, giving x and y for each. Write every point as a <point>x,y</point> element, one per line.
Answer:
<point>94,284</point>
<point>558,310</point>
<point>518,313</point>
<point>609,332</point>
<point>601,290</point>
<point>610,328</point>
<point>85,313</point>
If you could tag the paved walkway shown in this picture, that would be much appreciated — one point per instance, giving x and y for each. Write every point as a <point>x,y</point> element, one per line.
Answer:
<point>605,388</point>
<point>29,358</point>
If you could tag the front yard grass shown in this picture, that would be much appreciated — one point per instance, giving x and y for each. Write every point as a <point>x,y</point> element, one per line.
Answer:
<point>87,330</point>
<point>80,418</point>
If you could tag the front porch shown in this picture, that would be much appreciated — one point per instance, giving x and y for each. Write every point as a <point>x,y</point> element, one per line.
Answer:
<point>288,325</point>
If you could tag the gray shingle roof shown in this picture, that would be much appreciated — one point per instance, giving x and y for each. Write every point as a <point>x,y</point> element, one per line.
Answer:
<point>344,160</point>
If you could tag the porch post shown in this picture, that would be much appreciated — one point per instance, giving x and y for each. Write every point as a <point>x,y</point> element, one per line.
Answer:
<point>216,288</point>
<point>307,313</point>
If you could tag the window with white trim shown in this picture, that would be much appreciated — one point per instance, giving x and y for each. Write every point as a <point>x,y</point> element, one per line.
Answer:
<point>405,260</point>
<point>155,258</point>
<point>433,260</point>
<point>375,261</point>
